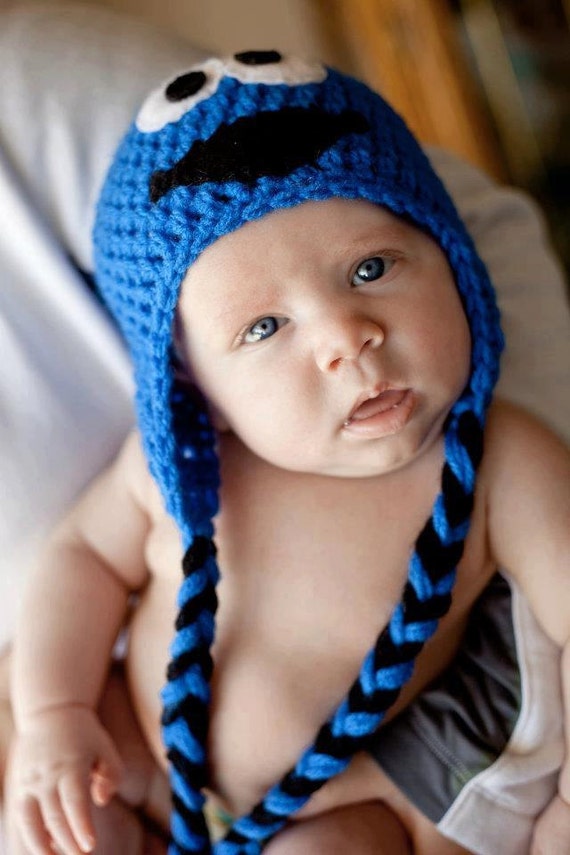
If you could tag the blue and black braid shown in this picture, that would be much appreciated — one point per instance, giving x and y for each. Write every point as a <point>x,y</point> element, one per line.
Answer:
<point>186,697</point>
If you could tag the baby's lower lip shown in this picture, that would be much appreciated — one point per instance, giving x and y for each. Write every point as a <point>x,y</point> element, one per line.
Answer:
<point>382,416</point>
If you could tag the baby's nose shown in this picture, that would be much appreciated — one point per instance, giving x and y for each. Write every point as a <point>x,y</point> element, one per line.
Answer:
<point>345,340</point>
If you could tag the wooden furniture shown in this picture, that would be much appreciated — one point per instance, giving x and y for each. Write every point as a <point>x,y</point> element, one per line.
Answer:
<point>410,51</point>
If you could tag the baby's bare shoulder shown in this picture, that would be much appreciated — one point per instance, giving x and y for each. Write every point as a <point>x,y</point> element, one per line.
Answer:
<point>113,517</point>
<point>526,477</point>
<point>509,425</point>
<point>130,468</point>
<point>129,473</point>
<point>521,450</point>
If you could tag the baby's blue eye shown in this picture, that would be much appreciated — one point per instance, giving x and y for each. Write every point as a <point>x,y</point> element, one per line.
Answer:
<point>371,269</point>
<point>262,329</point>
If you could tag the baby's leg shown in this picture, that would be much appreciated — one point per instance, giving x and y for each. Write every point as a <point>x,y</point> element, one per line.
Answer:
<point>134,822</point>
<point>370,828</point>
<point>145,787</point>
<point>118,830</point>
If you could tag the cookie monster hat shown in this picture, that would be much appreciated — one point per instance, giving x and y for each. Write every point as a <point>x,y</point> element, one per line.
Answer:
<point>224,143</point>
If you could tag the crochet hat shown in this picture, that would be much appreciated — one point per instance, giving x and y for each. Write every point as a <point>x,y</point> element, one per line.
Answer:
<point>222,144</point>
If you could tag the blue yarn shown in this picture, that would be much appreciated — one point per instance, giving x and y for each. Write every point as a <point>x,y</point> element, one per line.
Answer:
<point>186,639</point>
<point>190,683</point>
<point>356,724</point>
<point>194,585</point>
<point>143,248</point>
<point>421,584</point>
<point>225,848</point>
<point>193,842</point>
<point>283,805</point>
<point>195,800</point>
<point>251,829</point>
<point>178,734</point>
<point>402,631</point>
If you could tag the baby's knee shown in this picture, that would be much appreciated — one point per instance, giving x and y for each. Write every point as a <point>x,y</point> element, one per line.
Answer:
<point>370,828</point>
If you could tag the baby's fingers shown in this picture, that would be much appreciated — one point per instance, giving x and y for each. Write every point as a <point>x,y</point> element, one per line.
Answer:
<point>106,776</point>
<point>32,828</point>
<point>76,806</point>
<point>57,829</point>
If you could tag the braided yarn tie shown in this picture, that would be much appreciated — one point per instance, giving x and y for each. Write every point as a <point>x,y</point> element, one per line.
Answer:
<point>186,696</point>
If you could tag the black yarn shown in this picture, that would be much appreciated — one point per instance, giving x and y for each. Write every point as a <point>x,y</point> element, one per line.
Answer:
<point>267,144</point>
<point>208,599</point>
<point>258,57</point>
<point>196,555</point>
<point>457,501</point>
<point>471,436</point>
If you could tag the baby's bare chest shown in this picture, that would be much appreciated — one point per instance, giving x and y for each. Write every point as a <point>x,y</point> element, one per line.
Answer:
<point>310,574</point>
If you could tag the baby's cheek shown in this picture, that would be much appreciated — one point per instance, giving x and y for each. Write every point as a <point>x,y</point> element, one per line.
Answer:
<point>444,340</point>
<point>461,340</point>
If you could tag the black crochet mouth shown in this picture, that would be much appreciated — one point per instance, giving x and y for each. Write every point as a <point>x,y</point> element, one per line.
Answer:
<point>269,143</point>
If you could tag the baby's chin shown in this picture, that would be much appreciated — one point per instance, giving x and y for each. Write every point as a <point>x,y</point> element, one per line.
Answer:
<point>343,455</point>
<point>358,465</point>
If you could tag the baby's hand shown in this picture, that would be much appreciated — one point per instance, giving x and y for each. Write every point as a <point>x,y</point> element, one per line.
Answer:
<point>551,834</point>
<point>63,758</point>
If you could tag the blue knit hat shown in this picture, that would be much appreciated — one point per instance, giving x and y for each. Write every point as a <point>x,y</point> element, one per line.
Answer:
<point>220,145</point>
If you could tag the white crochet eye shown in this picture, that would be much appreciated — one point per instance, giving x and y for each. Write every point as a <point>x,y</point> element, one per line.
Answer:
<point>269,66</point>
<point>177,96</point>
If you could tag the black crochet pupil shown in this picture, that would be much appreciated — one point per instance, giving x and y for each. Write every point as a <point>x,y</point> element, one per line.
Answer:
<point>258,57</point>
<point>185,85</point>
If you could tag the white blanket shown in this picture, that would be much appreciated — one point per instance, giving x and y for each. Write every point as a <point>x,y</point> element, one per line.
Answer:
<point>72,77</point>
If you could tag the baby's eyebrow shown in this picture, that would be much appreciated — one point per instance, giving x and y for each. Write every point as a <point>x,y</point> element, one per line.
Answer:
<point>382,235</point>
<point>231,315</point>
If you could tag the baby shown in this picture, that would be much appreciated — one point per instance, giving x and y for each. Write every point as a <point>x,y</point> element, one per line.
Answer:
<point>315,345</point>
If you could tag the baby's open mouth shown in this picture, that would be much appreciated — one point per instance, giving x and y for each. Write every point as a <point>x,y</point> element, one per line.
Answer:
<point>379,404</point>
<point>381,415</point>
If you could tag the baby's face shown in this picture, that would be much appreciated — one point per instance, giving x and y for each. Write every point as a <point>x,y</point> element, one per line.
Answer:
<point>329,337</point>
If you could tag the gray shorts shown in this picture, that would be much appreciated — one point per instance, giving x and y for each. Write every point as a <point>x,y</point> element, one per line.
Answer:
<point>479,750</point>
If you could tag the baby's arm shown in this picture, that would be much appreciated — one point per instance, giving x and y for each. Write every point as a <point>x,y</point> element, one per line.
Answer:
<point>75,606</point>
<point>526,477</point>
